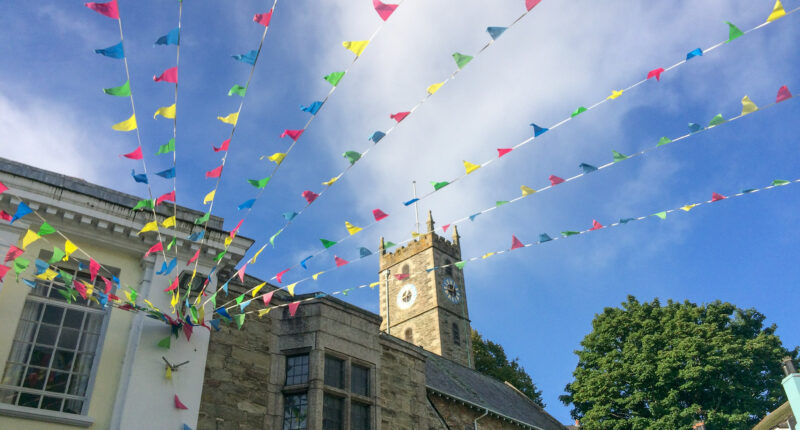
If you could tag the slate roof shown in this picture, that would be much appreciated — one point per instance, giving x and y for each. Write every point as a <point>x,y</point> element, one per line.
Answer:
<point>462,383</point>
<point>775,418</point>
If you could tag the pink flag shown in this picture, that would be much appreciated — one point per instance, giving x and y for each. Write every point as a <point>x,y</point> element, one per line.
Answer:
<point>717,197</point>
<point>530,4</point>
<point>192,260</point>
<point>263,18</point>
<point>178,404</point>
<point>294,134</point>
<point>339,261</point>
<point>293,308</point>
<point>783,94</point>
<point>596,225</point>
<point>173,285</point>
<point>379,214</point>
<point>3,271</point>
<point>94,267</point>
<point>235,229</point>
<point>214,173</point>
<point>399,116</point>
<point>503,151</point>
<point>555,180</point>
<point>187,331</point>
<point>223,147</point>
<point>170,75</point>
<point>155,248</point>
<point>166,197</point>
<point>135,155</point>
<point>445,227</point>
<point>13,253</point>
<point>3,188</point>
<point>5,215</point>
<point>402,276</point>
<point>267,298</point>
<point>280,275</point>
<point>80,287</point>
<point>655,73</point>
<point>108,284</point>
<point>108,9</point>
<point>515,243</point>
<point>384,10</point>
<point>310,196</point>
<point>240,273</point>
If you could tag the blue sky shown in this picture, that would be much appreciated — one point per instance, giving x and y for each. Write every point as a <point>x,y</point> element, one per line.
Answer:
<point>537,302</point>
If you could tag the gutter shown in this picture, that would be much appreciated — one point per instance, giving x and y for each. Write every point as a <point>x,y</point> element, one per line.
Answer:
<point>490,411</point>
<point>475,423</point>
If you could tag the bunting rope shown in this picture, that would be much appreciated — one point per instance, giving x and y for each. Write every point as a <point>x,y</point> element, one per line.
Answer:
<point>175,128</point>
<point>515,244</point>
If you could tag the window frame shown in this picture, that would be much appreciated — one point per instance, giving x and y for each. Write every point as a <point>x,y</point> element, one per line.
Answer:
<point>347,394</point>
<point>307,365</point>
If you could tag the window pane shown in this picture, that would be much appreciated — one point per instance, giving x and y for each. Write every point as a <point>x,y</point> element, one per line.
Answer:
<point>297,369</point>
<point>53,314</point>
<point>33,311</point>
<point>63,359</point>
<point>359,380</point>
<point>73,406</point>
<point>21,352</point>
<point>57,382</point>
<point>332,416</point>
<point>34,378</point>
<point>68,338</point>
<point>8,396</point>
<point>52,403</point>
<point>83,364</point>
<point>359,416</point>
<point>41,356</point>
<point>295,409</point>
<point>73,319</point>
<point>77,385</point>
<point>13,374</point>
<point>334,372</point>
<point>47,334</point>
<point>29,400</point>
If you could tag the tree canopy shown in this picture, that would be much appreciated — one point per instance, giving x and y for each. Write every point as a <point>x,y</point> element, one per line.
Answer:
<point>648,366</point>
<point>490,359</point>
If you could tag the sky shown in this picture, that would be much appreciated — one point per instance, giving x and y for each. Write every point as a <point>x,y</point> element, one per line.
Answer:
<point>537,302</point>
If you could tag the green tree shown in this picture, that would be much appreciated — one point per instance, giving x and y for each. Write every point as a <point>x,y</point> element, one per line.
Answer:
<point>490,359</point>
<point>647,366</point>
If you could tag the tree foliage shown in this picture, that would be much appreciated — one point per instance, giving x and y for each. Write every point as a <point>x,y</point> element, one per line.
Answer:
<point>647,366</point>
<point>490,359</point>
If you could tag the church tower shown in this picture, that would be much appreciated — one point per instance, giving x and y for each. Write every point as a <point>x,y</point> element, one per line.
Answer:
<point>427,308</point>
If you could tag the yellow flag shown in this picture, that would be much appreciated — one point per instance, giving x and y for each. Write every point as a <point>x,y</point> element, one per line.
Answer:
<point>687,208</point>
<point>435,87</point>
<point>30,237</point>
<point>614,94</point>
<point>374,284</point>
<point>332,181</point>
<point>128,295</point>
<point>258,288</point>
<point>263,312</point>
<point>356,46</point>
<point>351,228</point>
<point>230,119</point>
<point>48,275</point>
<point>228,241</point>
<point>290,289</point>
<point>174,300</point>
<point>168,373</point>
<point>69,248</point>
<point>150,226</point>
<point>777,12</point>
<point>316,275</point>
<point>414,234</point>
<point>150,304</point>
<point>169,222</point>
<point>166,112</point>
<point>748,106</point>
<point>277,157</point>
<point>209,197</point>
<point>526,191</point>
<point>487,255</point>
<point>469,167</point>
<point>127,125</point>
<point>253,260</point>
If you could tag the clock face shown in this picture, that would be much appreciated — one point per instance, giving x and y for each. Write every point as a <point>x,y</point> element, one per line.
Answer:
<point>451,290</point>
<point>406,296</point>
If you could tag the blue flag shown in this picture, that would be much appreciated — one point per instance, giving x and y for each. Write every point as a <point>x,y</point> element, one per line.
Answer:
<point>115,51</point>
<point>495,32</point>
<point>171,38</point>
<point>303,263</point>
<point>694,128</point>
<point>313,108</point>
<point>364,252</point>
<point>473,216</point>
<point>22,210</point>
<point>695,53</point>
<point>377,136</point>
<point>194,237</point>
<point>249,58</point>
<point>538,131</point>
<point>223,313</point>
<point>587,168</point>
<point>166,268</point>
<point>246,205</point>
<point>289,215</point>
<point>410,202</point>
<point>167,174</point>
<point>141,177</point>
<point>544,237</point>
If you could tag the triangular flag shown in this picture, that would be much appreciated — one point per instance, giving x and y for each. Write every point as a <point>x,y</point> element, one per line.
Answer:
<point>267,297</point>
<point>538,131</point>
<point>717,120</point>
<point>108,9</point>
<point>230,118</point>
<point>515,243</point>
<point>316,275</point>
<point>293,134</point>
<point>150,226</point>
<point>662,214</point>
<point>240,272</point>
<point>526,191</point>
<point>619,157</point>
<point>22,210</point>
<point>664,141</point>
<point>587,168</point>
<point>460,264</point>
<point>578,111</point>
<point>339,261</point>
<point>313,108</point>
<point>171,38</point>
<point>495,32</point>
<point>783,94</point>
<point>135,154</point>
<point>293,308</point>
<point>352,156</point>
<point>555,180</point>
<point>569,233</point>
<point>461,59</point>
<point>503,151</point>
<point>717,197</point>
<point>399,116</point>
<point>356,46</point>
<point>127,125</point>
<point>214,173</point>
<point>238,90</point>
<point>499,203</point>
<point>123,90</point>
<point>277,158</point>
<point>289,215</point>
<point>439,185</point>
<point>203,219</point>
<point>748,106</point>
<point>309,196</point>
<point>377,136</point>
<point>167,148</point>
<point>194,257</point>
<point>351,228</point>
<point>170,75</point>
<point>164,343</point>
<point>290,289</point>
<point>332,180</point>
<point>694,127</point>
<point>487,255</point>
<point>248,58</point>
<point>179,404</point>
<point>209,197</point>
<point>327,243</point>
<point>379,214</point>
<point>410,202</point>
<point>687,208</point>
<point>733,32</point>
<point>626,220</point>
<point>614,94</point>
<point>384,10</point>
<point>364,252</point>
<point>272,238</point>
<point>655,73</point>
<point>530,4</point>
<point>596,225</point>
<point>115,51</point>
<point>166,197</point>
<point>256,289</point>
<point>167,174</point>
<point>259,183</point>
<point>155,248</point>
<point>280,275</point>
<point>469,167</point>
<point>694,53</point>
<point>166,112</point>
<point>58,255</point>
<point>334,78</point>
<point>263,18</point>
<point>30,237</point>
<point>94,267</point>
<point>544,237</point>
<point>246,205</point>
<point>777,12</point>
<point>172,286</point>
<point>46,229</point>
<point>779,182</point>
<point>434,87</point>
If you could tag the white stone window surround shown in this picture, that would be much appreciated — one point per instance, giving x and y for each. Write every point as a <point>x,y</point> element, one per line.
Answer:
<point>347,393</point>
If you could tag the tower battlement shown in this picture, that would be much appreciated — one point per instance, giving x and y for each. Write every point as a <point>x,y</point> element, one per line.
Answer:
<point>422,243</point>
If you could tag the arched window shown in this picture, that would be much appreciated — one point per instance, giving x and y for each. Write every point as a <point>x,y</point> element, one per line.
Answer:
<point>405,269</point>
<point>449,269</point>
<point>456,335</point>
<point>409,335</point>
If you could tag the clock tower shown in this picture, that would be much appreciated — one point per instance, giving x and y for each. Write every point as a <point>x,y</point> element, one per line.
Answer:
<point>423,306</point>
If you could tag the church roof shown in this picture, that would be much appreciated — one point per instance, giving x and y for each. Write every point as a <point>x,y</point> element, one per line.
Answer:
<point>448,378</point>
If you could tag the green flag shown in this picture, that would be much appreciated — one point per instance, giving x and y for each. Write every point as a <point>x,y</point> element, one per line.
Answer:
<point>169,147</point>
<point>164,343</point>
<point>239,320</point>
<point>219,256</point>
<point>733,32</point>
<point>352,156</point>
<point>662,214</point>
<point>46,229</point>
<point>460,264</point>
<point>664,141</point>
<point>239,299</point>
<point>213,299</point>
<point>461,59</point>
<point>259,183</point>
<point>272,238</point>
<point>578,111</point>
<point>500,203</point>
<point>439,185</point>
<point>388,244</point>
<point>172,242</point>
<point>195,316</point>
<point>237,89</point>
<point>334,78</point>
<point>618,156</point>
<point>327,243</point>
<point>569,233</point>
<point>58,254</point>
<point>66,278</point>
<point>717,120</point>
<point>203,219</point>
<point>775,183</point>
<point>20,264</point>
<point>123,90</point>
<point>144,204</point>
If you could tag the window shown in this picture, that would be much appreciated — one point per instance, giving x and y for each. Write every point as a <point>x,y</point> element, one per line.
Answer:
<point>55,347</point>
<point>332,412</point>
<point>359,416</point>
<point>334,372</point>
<point>456,334</point>
<point>297,369</point>
<point>409,335</point>
<point>449,269</point>
<point>405,269</point>
<point>295,411</point>
<point>359,380</point>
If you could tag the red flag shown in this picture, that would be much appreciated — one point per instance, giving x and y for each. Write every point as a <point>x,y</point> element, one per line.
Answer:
<point>267,298</point>
<point>339,261</point>
<point>5,216</point>
<point>135,155</point>
<point>717,197</point>
<point>293,308</point>
<point>94,267</point>
<point>214,173</point>
<point>399,116</point>
<point>178,404</point>
<point>166,197</point>
<point>196,255</point>
<point>170,75</point>
<point>555,180</point>
<point>379,214</point>
<point>596,225</point>
<point>80,287</point>
<point>263,18</point>
<point>503,151</point>
<point>13,253</point>
<point>783,94</point>
<point>656,73</point>
<point>3,271</point>
<point>235,229</point>
<point>445,227</point>
<point>294,134</point>
<point>402,276</point>
<point>155,248</point>
<point>173,285</point>
<point>3,188</point>
<point>187,331</point>
<point>384,10</point>
<point>515,243</point>
<point>108,9</point>
<point>108,284</point>
<point>280,275</point>
<point>530,4</point>
<point>310,196</point>
<point>223,147</point>
<point>240,273</point>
